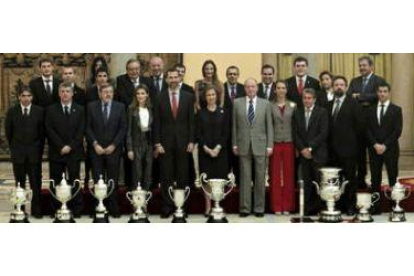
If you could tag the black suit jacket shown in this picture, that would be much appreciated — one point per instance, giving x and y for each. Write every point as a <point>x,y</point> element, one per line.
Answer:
<point>261,93</point>
<point>369,97</point>
<point>227,100</point>
<point>25,135</point>
<point>125,89</point>
<point>345,130</point>
<point>174,133</point>
<point>162,88</point>
<point>293,94</point>
<point>187,88</point>
<point>65,130</point>
<point>316,136</point>
<point>388,132</point>
<point>92,95</point>
<point>40,96</point>
<point>113,132</point>
<point>79,96</point>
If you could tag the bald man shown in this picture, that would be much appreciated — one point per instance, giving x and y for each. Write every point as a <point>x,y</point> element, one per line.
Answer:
<point>157,74</point>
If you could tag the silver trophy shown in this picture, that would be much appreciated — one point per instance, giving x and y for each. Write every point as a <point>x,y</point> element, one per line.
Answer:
<point>330,190</point>
<point>217,194</point>
<point>19,197</point>
<point>101,191</point>
<point>179,197</point>
<point>364,203</point>
<point>398,193</point>
<point>63,194</point>
<point>139,199</point>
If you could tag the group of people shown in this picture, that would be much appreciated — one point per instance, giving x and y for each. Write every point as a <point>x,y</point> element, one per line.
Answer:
<point>166,132</point>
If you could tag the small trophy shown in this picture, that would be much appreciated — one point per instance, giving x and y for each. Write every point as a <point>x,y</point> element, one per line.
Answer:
<point>217,194</point>
<point>330,190</point>
<point>364,203</point>
<point>399,192</point>
<point>100,192</point>
<point>139,199</point>
<point>63,194</point>
<point>179,197</point>
<point>19,197</point>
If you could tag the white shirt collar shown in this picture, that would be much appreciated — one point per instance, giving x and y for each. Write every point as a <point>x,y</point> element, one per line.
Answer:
<point>386,104</point>
<point>304,77</point>
<point>47,79</point>
<point>28,108</point>
<point>310,109</point>
<point>68,105</point>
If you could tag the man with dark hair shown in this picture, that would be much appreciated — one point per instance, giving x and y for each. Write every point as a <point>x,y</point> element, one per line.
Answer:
<point>69,76</point>
<point>174,131</point>
<point>45,88</point>
<point>105,132</point>
<point>101,78</point>
<point>345,126</point>
<point>181,69</point>
<point>25,134</point>
<point>385,124</point>
<point>267,86</point>
<point>300,81</point>
<point>364,90</point>
<point>65,128</point>
<point>310,129</point>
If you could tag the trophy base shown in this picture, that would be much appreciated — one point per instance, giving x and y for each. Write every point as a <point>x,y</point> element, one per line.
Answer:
<point>363,218</point>
<point>139,220</point>
<point>301,220</point>
<point>397,217</point>
<point>179,220</point>
<point>330,216</point>
<point>217,220</point>
<point>64,216</point>
<point>100,218</point>
<point>64,221</point>
<point>19,218</point>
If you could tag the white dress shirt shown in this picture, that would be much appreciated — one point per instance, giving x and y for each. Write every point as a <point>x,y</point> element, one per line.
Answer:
<point>144,118</point>
<point>341,101</point>
<point>68,105</point>
<point>28,108</point>
<point>386,105</point>
<point>303,78</point>
<point>50,82</point>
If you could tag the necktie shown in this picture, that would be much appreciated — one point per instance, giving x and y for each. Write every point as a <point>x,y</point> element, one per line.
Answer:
<point>381,114</point>
<point>337,107</point>
<point>300,86</point>
<point>250,115</point>
<point>233,93</point>
<point>174,105</point>
<point>26,112</point>
<point>48,88</point>
<point>135,83</point>
<point>105,113</point>
<point>267,91</point>
<point>67,110</point>
<point>157,84</point>
<point>307,117</point>
<point>364,84</point>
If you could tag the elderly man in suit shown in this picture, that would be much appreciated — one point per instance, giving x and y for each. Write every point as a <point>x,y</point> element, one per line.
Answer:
<point>252,136</point>
<point>106,131</point>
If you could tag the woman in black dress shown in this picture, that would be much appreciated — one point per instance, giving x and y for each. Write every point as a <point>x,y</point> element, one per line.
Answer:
<point>213,135</point>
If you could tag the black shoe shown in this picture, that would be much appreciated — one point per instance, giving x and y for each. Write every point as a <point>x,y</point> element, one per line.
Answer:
<point>37,216</point>
<point>350,212</point>
<point>76,216</point>
<point>116,215</point>
<point>244,215</point>
<point>165,215</point>
<point>259,215</point>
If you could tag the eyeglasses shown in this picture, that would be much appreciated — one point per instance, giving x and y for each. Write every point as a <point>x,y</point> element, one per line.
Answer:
<point>232,74</point>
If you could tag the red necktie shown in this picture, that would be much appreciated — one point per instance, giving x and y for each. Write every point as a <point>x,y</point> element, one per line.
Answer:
<point>300,86</point>
<point>174,105</point>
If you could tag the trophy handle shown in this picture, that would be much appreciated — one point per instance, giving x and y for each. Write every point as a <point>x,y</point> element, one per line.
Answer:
<point>409,193</point>
<point>111,183</point>
<point>343,185</point>
<point>79,188</point>
<point>317,187</point>
<point>386,194</point>
<point>376,196</point>
<point>90,188</point>
<point>230,181</point>
<point>203,178</point>
<point>51,191</point>
<point>149,196</point>
<point>187,191</point>
<point>129,196</point>
<point>170,192</point>
<point>29,195</point>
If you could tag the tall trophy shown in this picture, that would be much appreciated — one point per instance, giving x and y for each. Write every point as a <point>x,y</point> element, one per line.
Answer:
<point>217,194</point>
<point>179,197</point>
<point>19,197</point>
<point>330,190</point>
<point>63,194</point>
<point>398,193</point>
<point>101,191</point>
<point>139,199</point>
<point>364,203</point>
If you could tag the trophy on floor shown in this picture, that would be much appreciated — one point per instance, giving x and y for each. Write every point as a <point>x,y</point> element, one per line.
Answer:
<point>101,191</point>
<point>63,194</point>
<point>19,197</point>
<point>302,218</point>
<point>139,199</point>
<point>364,203</point>
<point>179,197</point>
<point>217,194</point>
<point>398,192</point>
<point>330,190</point>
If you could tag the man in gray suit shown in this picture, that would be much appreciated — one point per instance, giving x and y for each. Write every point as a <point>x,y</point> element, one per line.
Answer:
<point>252,134</point>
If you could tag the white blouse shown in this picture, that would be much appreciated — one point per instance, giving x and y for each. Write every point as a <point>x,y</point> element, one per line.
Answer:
<point>144,117</point>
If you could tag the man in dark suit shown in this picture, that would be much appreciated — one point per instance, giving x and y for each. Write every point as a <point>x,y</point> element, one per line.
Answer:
<point>158,82</point>
<point>45,88</point>
<point>127,83</point>
<point>364,90</point>
<point>25,134</point>
<point>310,130</point>
<point>345,126</point>
<point>69,76</point>
<point>385,123</point>
<point>181,69</point>
<point>174,137</point>
<point>105,131</point>
<point>101,78</point>
<point>300,81</point>
<point>65,128</point>
<point>267,86</point>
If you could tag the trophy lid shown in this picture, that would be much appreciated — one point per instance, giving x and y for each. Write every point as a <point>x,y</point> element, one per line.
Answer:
<point>100,181</point>
<point>139,188</point>
<point>64,182</point>
<point>398,185</point>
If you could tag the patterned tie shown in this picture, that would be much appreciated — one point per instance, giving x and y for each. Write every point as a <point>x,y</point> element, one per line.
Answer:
<point>105,113</point>
<point>157,84</point>
<point>48,88</point>
<point>174,105</point>
<point>382,114</point>
<point>300,86</point>
<point>267,94</point>
<point>336,110</point>
<point>233,93</point>
<point>307,117</point>
<point>250,115</point>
